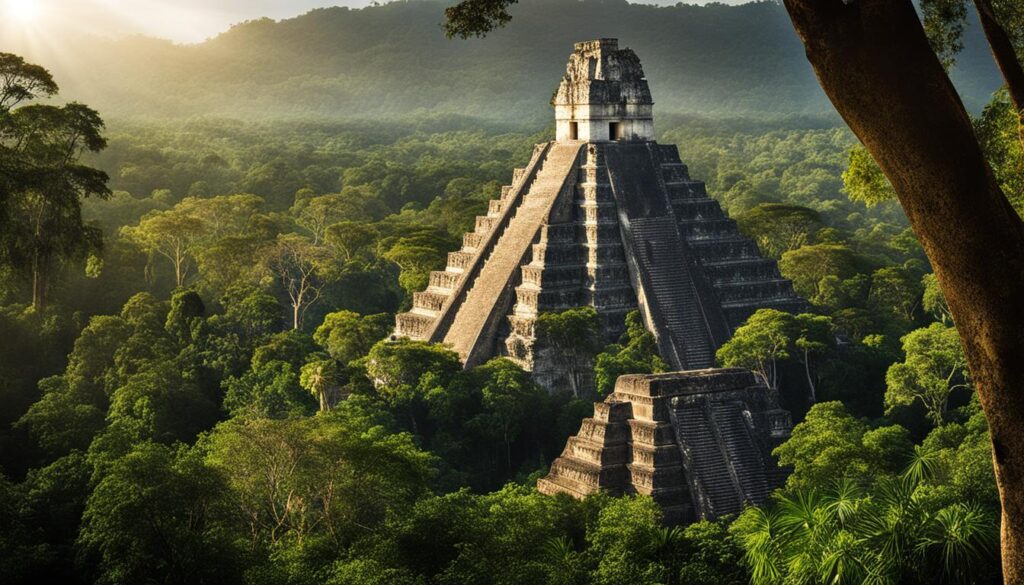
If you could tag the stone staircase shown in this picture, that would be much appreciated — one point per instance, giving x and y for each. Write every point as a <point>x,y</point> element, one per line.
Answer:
<point>713,484</point>
<point>472,330</point>
<point>686,319</point>
<point>433,308</point>
<point>735,432</point>
<point>671,293</point>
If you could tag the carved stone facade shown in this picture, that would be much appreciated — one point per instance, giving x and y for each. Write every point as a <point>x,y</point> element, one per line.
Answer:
<point>603,95</point>
<point>698,442</point>
<point>613,224</point>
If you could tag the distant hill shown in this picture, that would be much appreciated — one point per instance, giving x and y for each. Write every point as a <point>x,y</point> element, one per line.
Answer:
<point>393,60</point>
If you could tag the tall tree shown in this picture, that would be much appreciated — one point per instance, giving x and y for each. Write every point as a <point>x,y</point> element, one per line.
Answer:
<point>160,516</point>
<point>300,266</point>
<point>41,179</point>
<point>347,335</point>
<point>759,344</point>
<point>934,367</point>
<point>172,234</point>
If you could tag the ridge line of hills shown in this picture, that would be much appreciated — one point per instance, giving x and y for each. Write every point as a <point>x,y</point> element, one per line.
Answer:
<point>392,60</point>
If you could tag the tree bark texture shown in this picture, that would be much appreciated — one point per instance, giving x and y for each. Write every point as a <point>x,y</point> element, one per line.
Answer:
<point>874,62</point>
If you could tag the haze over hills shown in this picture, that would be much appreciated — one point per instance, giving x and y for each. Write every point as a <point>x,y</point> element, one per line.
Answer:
<point>393,60</point>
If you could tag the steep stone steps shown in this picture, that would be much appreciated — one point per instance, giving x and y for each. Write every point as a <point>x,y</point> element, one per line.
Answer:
<point>686,329</point>
<point>707,464</point>
<point>686,190</point>
<point>744,459</point>
<point>708,228</point>
<point>690,209</point>
<point>429,305</point>
<point>718,250</point>
<point>475,318</point>
<point>698,442</point>
<point>671,292</point>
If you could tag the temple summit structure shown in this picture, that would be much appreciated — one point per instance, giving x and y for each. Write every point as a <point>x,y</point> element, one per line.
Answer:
<point>604,216</point>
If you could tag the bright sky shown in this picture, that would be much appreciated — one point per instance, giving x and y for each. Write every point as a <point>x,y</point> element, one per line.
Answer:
<point>184,21</point>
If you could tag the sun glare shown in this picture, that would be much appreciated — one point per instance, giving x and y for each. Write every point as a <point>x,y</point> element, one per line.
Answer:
<point>22,10</point>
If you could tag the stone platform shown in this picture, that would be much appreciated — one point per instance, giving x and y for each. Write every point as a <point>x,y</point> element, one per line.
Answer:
<point>699,442</point>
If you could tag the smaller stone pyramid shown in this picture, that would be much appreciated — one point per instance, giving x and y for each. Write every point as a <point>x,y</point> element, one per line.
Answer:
<point>698,442</point>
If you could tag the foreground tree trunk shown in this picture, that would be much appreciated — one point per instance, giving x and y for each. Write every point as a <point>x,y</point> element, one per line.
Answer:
<point>875,65</point>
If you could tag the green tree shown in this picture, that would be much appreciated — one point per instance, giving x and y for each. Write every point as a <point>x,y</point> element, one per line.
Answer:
<point>404,372</point>
<point>778,228</point>
<point>173,234</point>
<point>335,476</point>
<point>158,403</point>
<point>628,541</point>
<point>636,353</point>
<point>843,535</point>
<point>510,400</point>
<point>23,81</point>
<point>347,335</point>
<point>317,213</point>
<point>863,180</point>
<point>759,344</point>
<point>998,130</point>
<point>300,267</point>
<point>573,337</point>
<point>934,301</point>
<point>228,262</point>
<point>896,290</point>
<point>713,555</point>
<point>323,380</point>
<point>269,389</point>
<point>830,444</point>
<point>933,368</point>
<point>186,314</point>
<point>73,405</point>
<point>417,255</point>
<point>349,238</point>
<point>22,555</point>
<point>42,178</point>
<point>159,515</point>
<point>812,335</point>
<point>810,265</point>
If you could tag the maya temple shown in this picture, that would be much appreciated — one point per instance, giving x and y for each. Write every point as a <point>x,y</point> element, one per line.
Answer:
<point>604,216</point>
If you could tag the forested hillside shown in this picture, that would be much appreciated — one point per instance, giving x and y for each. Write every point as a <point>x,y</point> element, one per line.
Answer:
<point>393,60</point>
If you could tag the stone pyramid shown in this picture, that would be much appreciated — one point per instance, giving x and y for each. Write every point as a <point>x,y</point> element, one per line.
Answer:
<point>603,216</point>
<point>698,442</point>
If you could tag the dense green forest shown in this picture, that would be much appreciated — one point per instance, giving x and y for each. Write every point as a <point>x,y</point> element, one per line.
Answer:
<point>391,60</point>
<point>193,314</point>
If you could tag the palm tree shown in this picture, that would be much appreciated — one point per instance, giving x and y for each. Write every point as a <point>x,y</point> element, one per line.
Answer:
<point>847,535</point>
